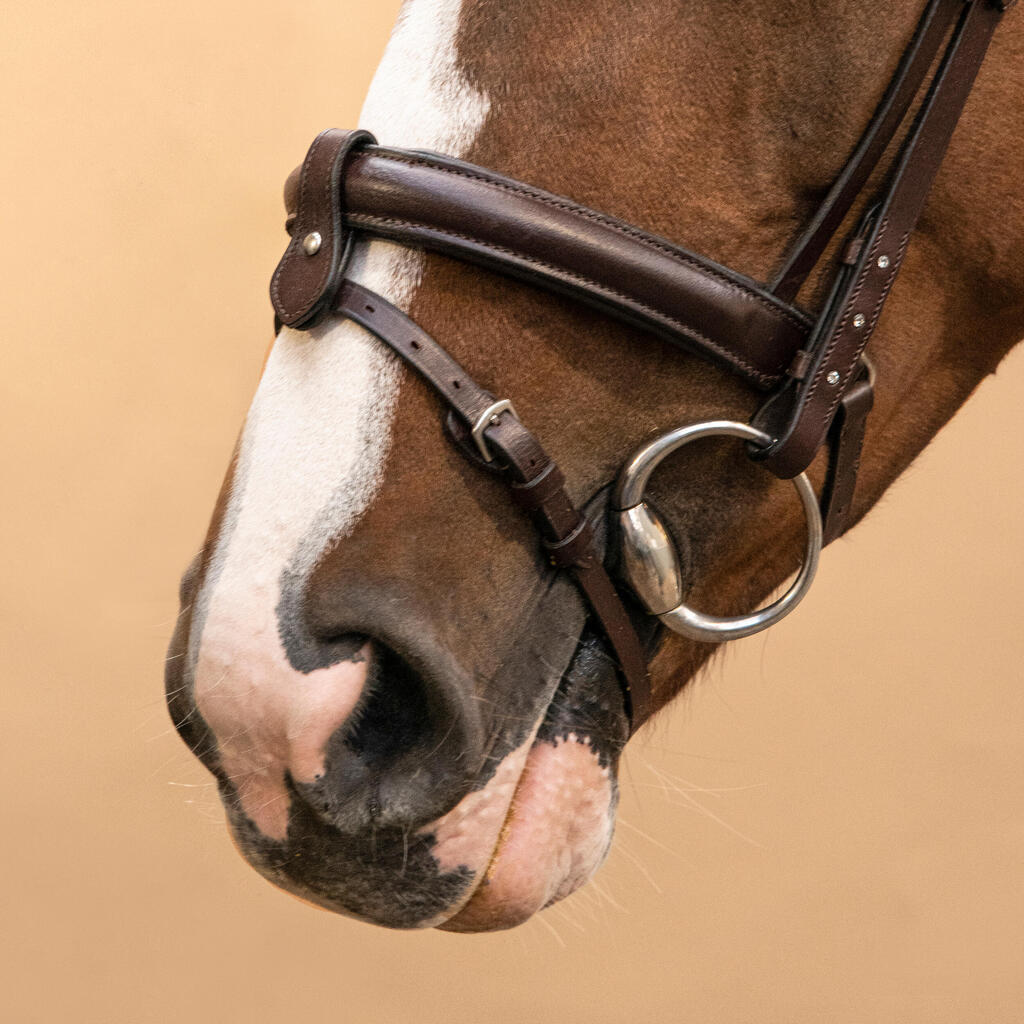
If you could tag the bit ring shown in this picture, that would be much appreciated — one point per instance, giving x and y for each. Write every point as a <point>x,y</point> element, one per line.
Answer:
<point>650,558</point>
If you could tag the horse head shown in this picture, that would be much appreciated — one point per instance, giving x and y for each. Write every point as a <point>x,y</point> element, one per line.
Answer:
<point>412,718</point>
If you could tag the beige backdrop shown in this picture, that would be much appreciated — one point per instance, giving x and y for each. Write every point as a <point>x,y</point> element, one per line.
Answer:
<point>828,828</point>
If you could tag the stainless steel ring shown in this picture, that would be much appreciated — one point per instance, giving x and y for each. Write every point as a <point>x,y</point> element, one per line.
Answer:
<point>650,560</point>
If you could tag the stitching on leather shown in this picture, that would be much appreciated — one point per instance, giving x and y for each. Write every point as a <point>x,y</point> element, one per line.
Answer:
<point>876,312</point>
<point>869,328</point>
<point>851,301</point>
<point>729,357</point>
<point>612,224</point>
<point>275,284</point>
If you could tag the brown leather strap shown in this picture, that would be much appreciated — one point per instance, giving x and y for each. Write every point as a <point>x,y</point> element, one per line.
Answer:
<point>924,47</point>
<point>845,445</point>
<point>800,414</point>
<point>313,265</point>
<point>461,210</point>
<point>538,486</point>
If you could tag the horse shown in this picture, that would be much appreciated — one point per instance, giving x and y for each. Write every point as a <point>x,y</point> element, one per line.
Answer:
<point>412,719</point>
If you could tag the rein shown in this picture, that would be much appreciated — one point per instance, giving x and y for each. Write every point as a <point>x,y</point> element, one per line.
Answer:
<point>818,383</point>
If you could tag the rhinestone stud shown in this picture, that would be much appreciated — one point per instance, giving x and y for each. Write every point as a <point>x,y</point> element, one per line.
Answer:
<point>860,320</point>
<point>884,262</point>
<point>311,243</point>
<point>833,378</point>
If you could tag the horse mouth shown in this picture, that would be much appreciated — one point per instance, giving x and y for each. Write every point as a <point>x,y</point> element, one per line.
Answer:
<point>525,835</point>
<point>513,806</point>
<point>556,834</point>
<point>559,823</point>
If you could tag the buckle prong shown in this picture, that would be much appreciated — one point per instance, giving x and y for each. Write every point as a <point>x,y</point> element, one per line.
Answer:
<point>490,417</point>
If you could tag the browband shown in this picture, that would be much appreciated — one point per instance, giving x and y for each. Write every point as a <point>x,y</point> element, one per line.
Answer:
<point>451,207</point>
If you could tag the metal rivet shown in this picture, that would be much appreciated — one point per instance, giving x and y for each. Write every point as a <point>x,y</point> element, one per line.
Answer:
<point>311,243</point>
<point>833,378</point>
<point>884,262</point>
<point>860,320</point>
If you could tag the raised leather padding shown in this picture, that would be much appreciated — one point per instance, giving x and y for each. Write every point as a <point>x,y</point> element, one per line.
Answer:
<point>462,210</point>
<point>451,207</point>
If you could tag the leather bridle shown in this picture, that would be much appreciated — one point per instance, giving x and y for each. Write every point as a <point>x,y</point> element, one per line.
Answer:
<point>818,383</point>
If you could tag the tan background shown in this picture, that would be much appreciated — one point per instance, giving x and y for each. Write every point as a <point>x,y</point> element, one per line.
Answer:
<point>829,827</point>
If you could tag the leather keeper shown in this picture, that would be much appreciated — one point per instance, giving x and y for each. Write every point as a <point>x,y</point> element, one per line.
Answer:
<point>541,489</point>
<point>574,550</point>
<point>313,266</point>
<point>459,434</point>
<point>845,444</point>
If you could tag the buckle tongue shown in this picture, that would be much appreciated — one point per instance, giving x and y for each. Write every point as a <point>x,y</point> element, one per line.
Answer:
<point>490,418</point>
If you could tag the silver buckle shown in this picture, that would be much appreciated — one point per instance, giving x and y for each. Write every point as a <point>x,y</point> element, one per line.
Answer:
<point>490,418</point>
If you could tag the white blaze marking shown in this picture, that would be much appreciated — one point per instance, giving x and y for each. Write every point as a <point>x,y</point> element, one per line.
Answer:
<point>419,98</point>
<point>312,458</point>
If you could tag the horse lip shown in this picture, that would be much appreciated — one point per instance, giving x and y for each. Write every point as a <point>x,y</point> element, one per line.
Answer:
<point>589,664</point>
<point>528,680</point>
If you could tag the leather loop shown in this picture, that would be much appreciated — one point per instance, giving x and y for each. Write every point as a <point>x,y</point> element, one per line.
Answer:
<point>306,279</point>
<point>531,496</point>
<point>575,550</point>
<point>846,441</point>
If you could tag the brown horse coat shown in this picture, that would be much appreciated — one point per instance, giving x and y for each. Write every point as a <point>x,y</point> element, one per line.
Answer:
<point>719,127</point>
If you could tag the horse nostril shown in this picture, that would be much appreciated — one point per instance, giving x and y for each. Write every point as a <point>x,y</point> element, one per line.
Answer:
<point>394,718</point>
<point>404,756</point>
